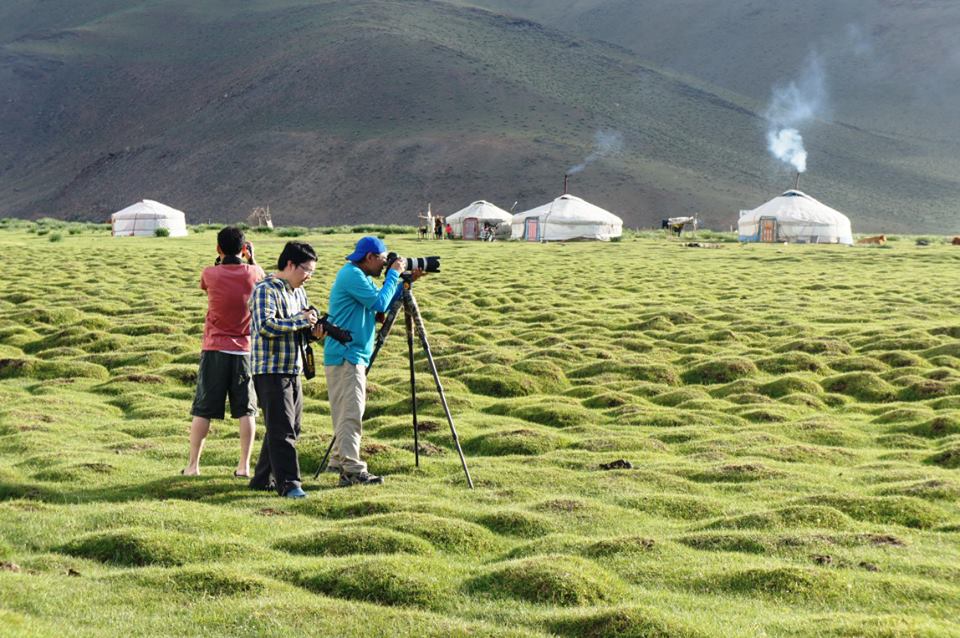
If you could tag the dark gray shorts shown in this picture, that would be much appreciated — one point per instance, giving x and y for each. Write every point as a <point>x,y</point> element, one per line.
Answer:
<point>224,375</point>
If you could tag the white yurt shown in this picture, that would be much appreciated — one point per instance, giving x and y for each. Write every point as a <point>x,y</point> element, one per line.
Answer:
<point>566,217</point>
<point>468,223</point>
<point>144,218</point>
<point>795,217</point>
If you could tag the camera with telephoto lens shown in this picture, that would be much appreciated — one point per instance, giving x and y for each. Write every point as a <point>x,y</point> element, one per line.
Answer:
<point>331,330</point>
<point>426,264</point>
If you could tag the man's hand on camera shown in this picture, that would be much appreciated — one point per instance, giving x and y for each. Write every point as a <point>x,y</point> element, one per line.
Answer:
<point>416,274</point>
<point>398,264</point>
<point>311,315</point>
<point>317,331</point>
<point>247,252</point>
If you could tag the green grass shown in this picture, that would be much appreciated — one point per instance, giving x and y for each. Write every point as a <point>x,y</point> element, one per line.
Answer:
<point>794,451</point>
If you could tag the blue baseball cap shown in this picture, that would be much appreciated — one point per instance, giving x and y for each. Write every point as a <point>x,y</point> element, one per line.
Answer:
<point>367,245</point>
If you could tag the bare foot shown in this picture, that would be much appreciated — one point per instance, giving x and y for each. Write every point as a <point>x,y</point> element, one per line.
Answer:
<point>190,471</point>
<point>240,474</point>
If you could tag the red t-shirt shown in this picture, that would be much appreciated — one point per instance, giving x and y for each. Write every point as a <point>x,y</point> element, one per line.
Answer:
<point>229,287</point>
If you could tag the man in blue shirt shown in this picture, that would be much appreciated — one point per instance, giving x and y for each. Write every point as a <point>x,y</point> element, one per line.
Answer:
<point>354,303</point>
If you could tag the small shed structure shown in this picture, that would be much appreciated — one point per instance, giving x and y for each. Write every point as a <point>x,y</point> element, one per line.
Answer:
<point>795,217</point>
<point>144,218</point>
<point>565,218</point>
<point>470,222</point>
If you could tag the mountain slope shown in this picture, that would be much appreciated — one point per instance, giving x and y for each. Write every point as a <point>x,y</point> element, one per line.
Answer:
<point>336,112</point>
<point>882,58</point>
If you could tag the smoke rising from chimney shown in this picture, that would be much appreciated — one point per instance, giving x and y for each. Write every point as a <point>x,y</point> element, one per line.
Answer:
<point>792,105</point>
<point>786,144</point>
<point>605,143</point>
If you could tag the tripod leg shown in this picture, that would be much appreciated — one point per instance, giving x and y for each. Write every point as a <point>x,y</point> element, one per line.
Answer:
<point>384,331</point>
<point>413,390</point>
<point>323,462</point>
<point>413,310</point>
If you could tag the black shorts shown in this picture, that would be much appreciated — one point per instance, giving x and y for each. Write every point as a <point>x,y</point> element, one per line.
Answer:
<point>224,375</point>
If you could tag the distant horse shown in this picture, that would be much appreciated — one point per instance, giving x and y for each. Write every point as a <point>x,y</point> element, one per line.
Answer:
<point>878,239</point>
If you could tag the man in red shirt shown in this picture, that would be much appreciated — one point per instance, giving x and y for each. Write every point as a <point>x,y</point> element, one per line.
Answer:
<point>225,357</point>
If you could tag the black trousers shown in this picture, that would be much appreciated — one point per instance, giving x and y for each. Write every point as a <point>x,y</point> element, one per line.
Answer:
<point>281,398</point>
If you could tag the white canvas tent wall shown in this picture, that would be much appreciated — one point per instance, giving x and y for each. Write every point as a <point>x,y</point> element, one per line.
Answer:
<point>482,212</point>
<point>795,217</point>
<point>566,217</point>
<point>143,218</point>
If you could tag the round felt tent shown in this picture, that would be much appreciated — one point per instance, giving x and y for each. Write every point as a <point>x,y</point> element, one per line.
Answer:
<point>566,217</point>
<point>144,218</point>
<point>469,222</point>
<point>795,217</point>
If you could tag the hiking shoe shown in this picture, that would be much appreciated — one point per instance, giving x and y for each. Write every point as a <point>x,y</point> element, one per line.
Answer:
<point>361,478</point>
<point>295,492</point>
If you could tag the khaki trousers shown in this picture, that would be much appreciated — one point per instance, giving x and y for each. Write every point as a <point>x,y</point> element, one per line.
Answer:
<point>347,390</point>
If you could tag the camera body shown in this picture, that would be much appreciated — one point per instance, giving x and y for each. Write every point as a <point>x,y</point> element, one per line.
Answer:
<point>426,264</point>
<point>333,331</point>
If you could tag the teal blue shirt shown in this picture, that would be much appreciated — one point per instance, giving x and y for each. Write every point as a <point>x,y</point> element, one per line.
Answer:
<point>354,303</point>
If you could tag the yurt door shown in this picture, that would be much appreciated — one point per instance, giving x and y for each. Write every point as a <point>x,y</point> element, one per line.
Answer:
<point>471,228</point>
<point>768,229</point>
<point>531,229</point>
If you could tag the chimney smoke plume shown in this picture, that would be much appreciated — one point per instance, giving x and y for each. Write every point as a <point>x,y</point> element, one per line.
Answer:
<point>791,106</point>
<point>605,143</point>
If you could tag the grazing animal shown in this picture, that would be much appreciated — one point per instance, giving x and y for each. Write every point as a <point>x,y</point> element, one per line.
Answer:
<point>956,241</point>
<point>879,239</point>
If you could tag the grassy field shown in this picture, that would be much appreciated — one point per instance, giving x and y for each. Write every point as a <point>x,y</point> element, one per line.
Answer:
<point>791,415</point>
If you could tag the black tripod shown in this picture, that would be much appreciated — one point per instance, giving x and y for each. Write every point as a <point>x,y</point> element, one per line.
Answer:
<point>408,303</point>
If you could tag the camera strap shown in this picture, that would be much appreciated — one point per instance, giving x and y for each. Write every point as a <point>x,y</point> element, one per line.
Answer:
<point>306,354</point>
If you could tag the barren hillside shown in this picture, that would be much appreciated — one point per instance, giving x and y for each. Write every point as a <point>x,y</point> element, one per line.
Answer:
<point>337,112</point>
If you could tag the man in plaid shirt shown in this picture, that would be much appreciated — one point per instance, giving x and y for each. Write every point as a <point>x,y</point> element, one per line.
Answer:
<point>281,319</point>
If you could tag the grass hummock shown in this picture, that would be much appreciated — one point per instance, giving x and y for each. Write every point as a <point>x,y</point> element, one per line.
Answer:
<point>749,450</point>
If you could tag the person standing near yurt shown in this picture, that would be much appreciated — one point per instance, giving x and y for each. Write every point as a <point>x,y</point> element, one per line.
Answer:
<point>225,355</point>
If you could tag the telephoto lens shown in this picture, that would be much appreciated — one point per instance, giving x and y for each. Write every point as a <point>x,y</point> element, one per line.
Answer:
<point>335,332</point>
<point>332,330</point>
<point>426,264</point>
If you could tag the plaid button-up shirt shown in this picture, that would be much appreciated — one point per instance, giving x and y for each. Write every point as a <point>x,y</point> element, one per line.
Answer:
<point>274,328</point>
